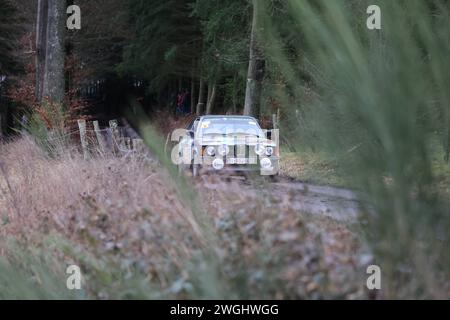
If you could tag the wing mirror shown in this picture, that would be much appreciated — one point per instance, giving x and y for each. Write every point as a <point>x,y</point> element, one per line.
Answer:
<point>191,133</point>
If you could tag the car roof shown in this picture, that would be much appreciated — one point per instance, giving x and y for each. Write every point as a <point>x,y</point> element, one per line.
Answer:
<point>226,116</point>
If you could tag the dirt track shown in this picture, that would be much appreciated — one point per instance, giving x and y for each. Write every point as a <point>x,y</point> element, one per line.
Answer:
<point>336,203</point>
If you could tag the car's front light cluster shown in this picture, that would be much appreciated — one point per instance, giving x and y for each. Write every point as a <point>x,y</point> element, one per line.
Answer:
<point>211,151</point>
<point>218,164</point>
<point>266,163</point>
<point>261,150</point>
<point>269,151</point>
<point>223,150</point>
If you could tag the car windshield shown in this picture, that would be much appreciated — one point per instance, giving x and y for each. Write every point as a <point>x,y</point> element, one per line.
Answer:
<point>230,126</point>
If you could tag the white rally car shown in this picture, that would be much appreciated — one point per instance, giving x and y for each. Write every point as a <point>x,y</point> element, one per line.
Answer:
<point>236,143</point>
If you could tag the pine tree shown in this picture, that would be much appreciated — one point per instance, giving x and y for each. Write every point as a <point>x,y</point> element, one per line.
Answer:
<point>8,37</point>
<point>166,43</point>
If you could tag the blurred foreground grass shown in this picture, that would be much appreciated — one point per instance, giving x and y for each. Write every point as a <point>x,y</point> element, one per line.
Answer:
<point>125,224</point>
<point>376,100</point>
<point>322,168</point>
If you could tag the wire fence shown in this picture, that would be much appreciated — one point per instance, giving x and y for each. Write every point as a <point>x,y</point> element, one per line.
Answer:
<point>117,140</point>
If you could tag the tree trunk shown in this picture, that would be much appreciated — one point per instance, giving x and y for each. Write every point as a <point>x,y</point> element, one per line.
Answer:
<point>211,98</point>
<point>201,96</point>
<point>234,96</point>
<point>41,46</point>
<point>208,95</point>
<point>447,144</point>
<point>234,106</point>
<point>192,95</point>
<point>256,68</point>
<point>54,84</point>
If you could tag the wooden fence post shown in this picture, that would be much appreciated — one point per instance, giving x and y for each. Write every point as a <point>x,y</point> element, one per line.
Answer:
<point>122,140</point>
<point>114,125</point>
<point>84,142</point>
<point>128,143</point>
<point>100,139</point>
<point>138,145</point>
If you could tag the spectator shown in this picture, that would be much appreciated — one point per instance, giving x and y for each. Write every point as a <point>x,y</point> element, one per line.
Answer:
<point>180,103</point>
<point>187,102</point>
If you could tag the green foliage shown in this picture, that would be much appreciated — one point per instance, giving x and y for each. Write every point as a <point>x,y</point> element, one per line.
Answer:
<point>226,30</point>
<point>190,39</point>
<point>32,273</point>
<point>166,43</point>
<point>104,33</point>
<point>8,28</point>
<point>48,127</point>
<point>367,97</point>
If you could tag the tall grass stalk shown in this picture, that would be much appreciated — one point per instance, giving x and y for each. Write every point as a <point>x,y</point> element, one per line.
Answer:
<point>387,92</point>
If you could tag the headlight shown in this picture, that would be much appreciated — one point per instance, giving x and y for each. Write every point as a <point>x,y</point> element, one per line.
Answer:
<point>223,150</point>
<point>259,150</point>
<point>218,164</point>
<point>211,151</point>
<point>269,151</point>
<point>266,163</point>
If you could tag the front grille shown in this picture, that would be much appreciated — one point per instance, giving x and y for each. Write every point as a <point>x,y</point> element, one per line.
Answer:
<point>243,149</point>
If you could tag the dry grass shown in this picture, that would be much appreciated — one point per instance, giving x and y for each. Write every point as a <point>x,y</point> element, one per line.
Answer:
<point>123,222</point>
<point>312,167</point>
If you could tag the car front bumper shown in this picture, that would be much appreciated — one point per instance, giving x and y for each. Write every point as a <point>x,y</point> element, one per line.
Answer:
<point>243,167</point>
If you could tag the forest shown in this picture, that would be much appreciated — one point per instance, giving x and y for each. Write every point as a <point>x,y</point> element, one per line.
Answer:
<point>360,93</point>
